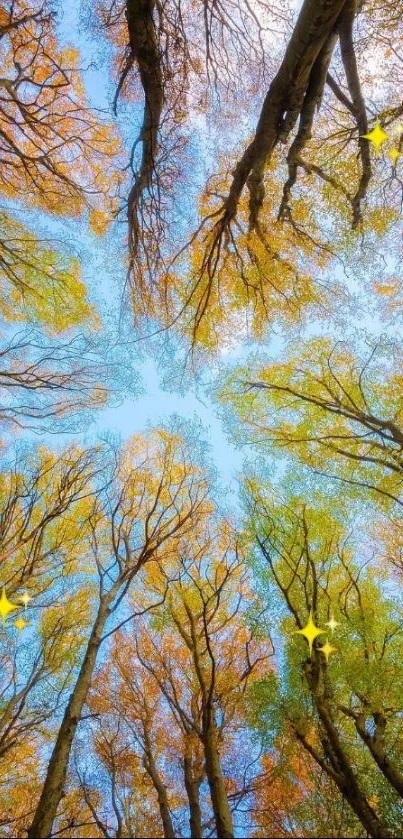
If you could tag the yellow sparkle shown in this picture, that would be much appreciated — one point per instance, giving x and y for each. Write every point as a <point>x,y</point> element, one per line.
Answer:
<point>377,136</point>
<point>20,623</point>
<point>398,129</point>
<point>24,598</point>
<point>310,632</point>
<point>6,606</point>
<point>332,624</point>
<point>394,154</point>
<point>327,649</point>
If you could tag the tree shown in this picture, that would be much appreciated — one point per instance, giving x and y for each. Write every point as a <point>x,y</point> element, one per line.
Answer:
<point>44,506</point>
<point>121,799</point>
<point>44,503</point>
<point>335,410</point>
<point>295,94</point>
<point>323,66</point>
<point>149,698</point>
<point>37,675</point>
<point>140,729</point>
<point>46,382</point>
<point>259,174</point>
<point>54,148</point>
<point>312,566</point>
<point>40,284</point>
<point>286,800</point>
<point>176,72</point>
<point>155,497</point>
<point>220,651</point>
<point>55,153</point>
<point>20,769</point>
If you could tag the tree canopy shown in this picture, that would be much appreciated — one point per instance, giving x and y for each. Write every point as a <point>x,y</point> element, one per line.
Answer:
<point>213,187</point>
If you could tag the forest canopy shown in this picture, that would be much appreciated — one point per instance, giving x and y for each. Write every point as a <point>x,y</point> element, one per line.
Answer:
<point>201,611</point>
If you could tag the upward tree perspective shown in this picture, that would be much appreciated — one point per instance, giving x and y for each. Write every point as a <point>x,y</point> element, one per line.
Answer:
<point>201,419</point>
<point>54,152</point>
<point>155,499</point>
<point>312,118</point>
<point>310,559</point>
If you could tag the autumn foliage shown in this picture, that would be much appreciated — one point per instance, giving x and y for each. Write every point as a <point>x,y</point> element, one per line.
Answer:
<point>191,646</point>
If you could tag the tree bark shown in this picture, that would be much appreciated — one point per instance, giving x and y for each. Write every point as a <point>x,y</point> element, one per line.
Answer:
<point>192,786</point>
<point>56,775</point>
<point>376,746</point>
<point>145,51</point>
<point>208,735</point>
<point>348,782</point>
<point>159,786</point>
<point>219,799</point>
<point>283,102</point>
<point>343,773</point>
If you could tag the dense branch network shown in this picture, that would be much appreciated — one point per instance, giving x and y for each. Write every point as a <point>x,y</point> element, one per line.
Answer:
<point>328,41</point>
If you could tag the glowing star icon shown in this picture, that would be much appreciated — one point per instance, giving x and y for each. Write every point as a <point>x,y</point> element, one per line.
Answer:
<point>6,606</point>
<point>332,624</point>
<point>398,129</point>
<point>394,154</point>
<point>377,136</point>
<point>24,599</point>
<point>20,623</point>
<point>327,649</point>
<point>310,632</point>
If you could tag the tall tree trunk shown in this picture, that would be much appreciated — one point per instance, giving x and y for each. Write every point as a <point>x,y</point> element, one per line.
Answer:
<point>159,786</point>
<point>192,785</point>
<point>343,772</point>
<point>52,791</point>
<point>349,785</point>
<point>219,799</point>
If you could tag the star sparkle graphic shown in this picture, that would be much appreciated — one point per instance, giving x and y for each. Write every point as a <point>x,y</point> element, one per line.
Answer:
<point>377,136</point>
<point>332,624</point>
<point>310,632</point>
<point>24,599</point>
<point>327,650</point>
<point>20,623</point>
<point>394,155</point>
<point>6,606</point>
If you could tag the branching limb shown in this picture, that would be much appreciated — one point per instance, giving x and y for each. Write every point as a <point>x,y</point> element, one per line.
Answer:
<point>345,29</point>
<point>145,51</point>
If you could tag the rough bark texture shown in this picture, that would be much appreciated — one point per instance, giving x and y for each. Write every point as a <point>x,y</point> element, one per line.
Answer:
<point>56,775</point>
<point>348,783</point>
<point>311,103</point>
<point>345,30</point>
